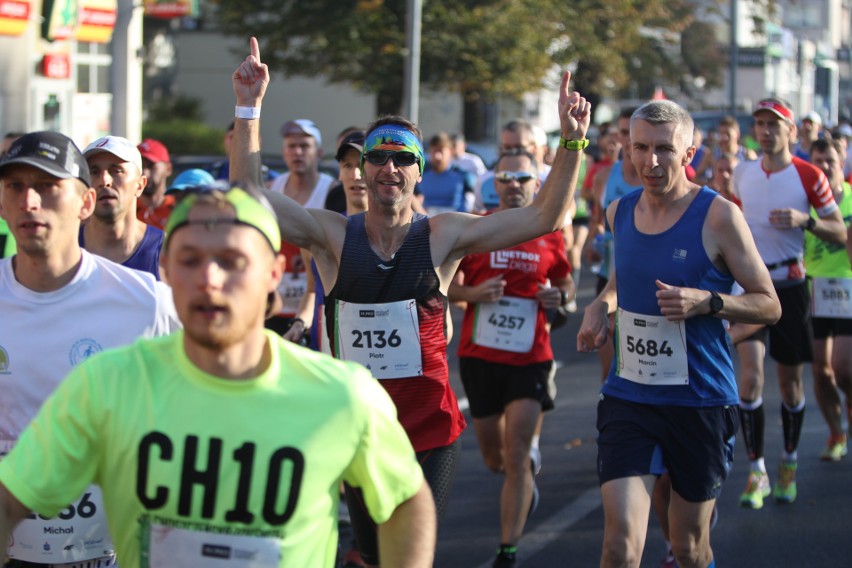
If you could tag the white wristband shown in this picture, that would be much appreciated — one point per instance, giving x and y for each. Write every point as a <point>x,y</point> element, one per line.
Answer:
<point>248,113</point>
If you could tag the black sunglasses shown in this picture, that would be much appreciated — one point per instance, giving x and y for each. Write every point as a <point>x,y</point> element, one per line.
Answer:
<point>400,159</point>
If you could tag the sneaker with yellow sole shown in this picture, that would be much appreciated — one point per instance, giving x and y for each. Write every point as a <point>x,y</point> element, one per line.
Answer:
<point>785,490</point>
<point>756,489</point>
<point>834,450</point>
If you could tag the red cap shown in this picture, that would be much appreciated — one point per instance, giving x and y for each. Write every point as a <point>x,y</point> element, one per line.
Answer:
<point>154,150</point>
<point>776,107</point>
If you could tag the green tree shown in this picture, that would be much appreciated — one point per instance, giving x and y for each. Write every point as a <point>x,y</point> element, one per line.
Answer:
<point>480,48</point>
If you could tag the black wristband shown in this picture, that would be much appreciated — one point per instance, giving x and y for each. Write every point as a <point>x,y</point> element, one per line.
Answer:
<point>563,295</point>
<point>811,224</point>
<point>299,320</point>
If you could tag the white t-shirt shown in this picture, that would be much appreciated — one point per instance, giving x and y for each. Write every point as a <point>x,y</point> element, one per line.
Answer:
<point>317,198</point>
<point>43,335</point>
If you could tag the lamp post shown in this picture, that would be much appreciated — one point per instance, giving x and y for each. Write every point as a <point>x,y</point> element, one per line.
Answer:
<point>734,56</point>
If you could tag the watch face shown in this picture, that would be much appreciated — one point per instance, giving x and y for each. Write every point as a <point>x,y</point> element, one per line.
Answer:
<point>716,304</point>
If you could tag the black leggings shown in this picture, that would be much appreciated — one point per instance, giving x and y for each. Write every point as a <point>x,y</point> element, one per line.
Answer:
<point>439,469</point>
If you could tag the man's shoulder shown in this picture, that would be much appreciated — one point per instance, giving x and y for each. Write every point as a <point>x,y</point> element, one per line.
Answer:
<point>116,276</point>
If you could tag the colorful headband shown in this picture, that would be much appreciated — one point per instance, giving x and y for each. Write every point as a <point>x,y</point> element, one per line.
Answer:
<point>248,211</point>
<point>396,139</point>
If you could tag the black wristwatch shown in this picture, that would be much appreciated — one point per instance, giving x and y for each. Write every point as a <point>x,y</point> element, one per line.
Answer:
<point>809,226</point>
<point>716,302</point>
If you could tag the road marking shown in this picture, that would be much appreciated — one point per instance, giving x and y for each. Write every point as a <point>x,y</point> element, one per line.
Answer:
<point>556,525</point>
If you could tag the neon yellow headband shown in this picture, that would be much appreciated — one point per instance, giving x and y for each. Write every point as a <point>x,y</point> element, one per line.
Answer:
<point>248,210</point>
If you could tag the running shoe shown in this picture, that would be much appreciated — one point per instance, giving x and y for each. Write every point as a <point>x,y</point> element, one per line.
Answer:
<point>535,465</point>
<point>834,450</point>
<point>785,490</point>
<point>505,560</point>
<point>756,489</point>
<point>535,460</point>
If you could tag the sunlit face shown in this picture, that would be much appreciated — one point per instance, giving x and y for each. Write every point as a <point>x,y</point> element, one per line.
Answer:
<point>773,133</point>
<point>157,174</point>
<point>729,136</point>
<point>829,162</point>
<point>221,275</point>
<point>43,212</point>
<point>117,183</point>
<point>809,129</point>
<point>659,155</point>
<point>350,176</point>
<point>390,185</point>
<point>512,193</point>
<point>301,153</point>
<point>440,157</point>
<point>609,145</point>
<point>723,171</point>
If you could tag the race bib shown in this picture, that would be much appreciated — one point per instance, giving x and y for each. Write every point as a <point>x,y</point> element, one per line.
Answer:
<point>832,298</point>
<point>77,533</point>
<point>651,349</point>
<point>507,324</point>
<point>292,287</point>
<point>385,338</point>
<point>176,546</point>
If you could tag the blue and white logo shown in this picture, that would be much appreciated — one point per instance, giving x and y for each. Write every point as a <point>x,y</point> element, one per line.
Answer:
<point>82,350</point>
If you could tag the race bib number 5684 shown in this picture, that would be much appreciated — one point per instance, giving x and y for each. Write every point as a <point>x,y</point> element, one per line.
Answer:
<point>651,349</point>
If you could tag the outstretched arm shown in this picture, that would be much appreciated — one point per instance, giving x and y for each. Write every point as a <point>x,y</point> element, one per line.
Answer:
<point>298,225</point>
<point>463,235</point>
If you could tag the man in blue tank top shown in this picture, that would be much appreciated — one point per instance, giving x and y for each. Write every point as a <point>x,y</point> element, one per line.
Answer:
<point>669,402</point>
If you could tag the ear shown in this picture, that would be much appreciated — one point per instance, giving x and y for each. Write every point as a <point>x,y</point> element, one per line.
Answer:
<point>89,198</point>
<point>143,182</point>
<point>279,265</point>
<point>690,154</point>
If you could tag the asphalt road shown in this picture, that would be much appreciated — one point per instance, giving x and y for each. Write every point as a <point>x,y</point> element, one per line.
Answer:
<point>567,528</point>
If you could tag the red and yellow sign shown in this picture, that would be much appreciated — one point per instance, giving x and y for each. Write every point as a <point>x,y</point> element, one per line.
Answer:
<point>14,16</point>
<point>56,66</point>
<point>171,8</point>
<point>97,20</point>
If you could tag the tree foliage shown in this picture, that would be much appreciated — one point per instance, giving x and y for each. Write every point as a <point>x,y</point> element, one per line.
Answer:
<point>480,48</point>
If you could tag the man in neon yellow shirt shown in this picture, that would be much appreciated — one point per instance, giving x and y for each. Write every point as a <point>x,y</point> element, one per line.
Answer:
<point>831,281</point>
<point>222,441</point>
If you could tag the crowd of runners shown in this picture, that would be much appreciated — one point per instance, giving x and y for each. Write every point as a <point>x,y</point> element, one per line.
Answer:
<point>225,365</point>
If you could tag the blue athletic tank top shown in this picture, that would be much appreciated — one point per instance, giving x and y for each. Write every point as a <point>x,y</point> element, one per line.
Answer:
<point>675,257</point>
<point>616,188</point>
<point>146,257</point>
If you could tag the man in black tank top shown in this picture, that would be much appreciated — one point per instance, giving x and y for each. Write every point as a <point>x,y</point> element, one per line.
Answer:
<point>388,270</point>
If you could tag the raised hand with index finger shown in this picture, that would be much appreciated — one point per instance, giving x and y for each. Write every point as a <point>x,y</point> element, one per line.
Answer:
<point>251,78</point>
<point>575,112</point>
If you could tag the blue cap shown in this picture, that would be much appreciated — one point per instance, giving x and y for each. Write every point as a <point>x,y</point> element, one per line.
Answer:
<point>194,177</point>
